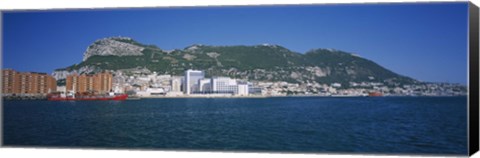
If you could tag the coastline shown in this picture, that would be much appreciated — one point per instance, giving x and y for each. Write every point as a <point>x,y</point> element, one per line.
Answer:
<point>241,97</point>
<point>285,96</point>
<point>200,96</point>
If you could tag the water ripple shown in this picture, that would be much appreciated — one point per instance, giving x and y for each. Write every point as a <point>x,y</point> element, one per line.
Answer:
<point>431,125</point>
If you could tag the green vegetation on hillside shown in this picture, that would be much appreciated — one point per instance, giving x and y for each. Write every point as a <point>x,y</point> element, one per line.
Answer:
<point>259,62</point>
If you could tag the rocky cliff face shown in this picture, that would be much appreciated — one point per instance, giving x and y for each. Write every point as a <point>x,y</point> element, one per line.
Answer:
<point>61,74</point>
<point>116,46</point>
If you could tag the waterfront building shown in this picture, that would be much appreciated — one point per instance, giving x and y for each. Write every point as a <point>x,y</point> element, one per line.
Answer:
<point>100,82</point>
<point>14,82</point>
<point>9,81</point>
<point>254,89</point>
<point>242,89</point>
<point>191,80</point>
<point>204,85</point>
<point>224,85</point>
<point>151,91</point>
<point>118,83</point>
<point>176,84</point>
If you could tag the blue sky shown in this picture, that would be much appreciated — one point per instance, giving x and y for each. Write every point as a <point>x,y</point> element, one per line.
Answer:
<point>426,41</point>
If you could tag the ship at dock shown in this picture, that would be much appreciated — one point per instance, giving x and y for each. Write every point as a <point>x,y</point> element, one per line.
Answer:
<point>375,94</point>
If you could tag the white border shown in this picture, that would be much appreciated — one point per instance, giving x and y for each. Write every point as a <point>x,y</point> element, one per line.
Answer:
<point>82,153</point>
<point>6,5</point>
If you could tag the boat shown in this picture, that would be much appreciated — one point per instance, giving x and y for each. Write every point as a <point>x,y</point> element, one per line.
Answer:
<point>375,94</point>
<point>85,96</point>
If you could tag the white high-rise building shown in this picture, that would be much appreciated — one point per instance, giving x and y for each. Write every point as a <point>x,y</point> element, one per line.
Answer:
<point>191,80</point>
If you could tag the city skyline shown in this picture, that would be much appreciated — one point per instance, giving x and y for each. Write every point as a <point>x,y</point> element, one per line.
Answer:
<point>418,48</point>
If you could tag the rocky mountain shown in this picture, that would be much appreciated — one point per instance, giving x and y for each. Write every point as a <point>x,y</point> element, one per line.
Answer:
<point>259,62</point>
<point>118,46</point>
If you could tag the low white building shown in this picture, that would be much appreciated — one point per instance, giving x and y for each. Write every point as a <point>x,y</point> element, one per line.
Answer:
<point>337,85</point>
<point>224,85</point>
<point>151,92</point>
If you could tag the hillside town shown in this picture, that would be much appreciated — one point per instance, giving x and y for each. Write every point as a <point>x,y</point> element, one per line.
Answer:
<point>194,83</point>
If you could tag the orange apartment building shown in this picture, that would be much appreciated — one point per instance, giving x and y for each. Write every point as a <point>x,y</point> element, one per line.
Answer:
<point>14,82</point>
<point>100,82</point>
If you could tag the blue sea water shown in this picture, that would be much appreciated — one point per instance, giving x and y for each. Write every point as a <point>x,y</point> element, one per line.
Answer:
<point>386,125</point>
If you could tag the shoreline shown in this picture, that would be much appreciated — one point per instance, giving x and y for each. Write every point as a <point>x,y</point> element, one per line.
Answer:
<point>287,96</point>
<point>190,96</point>
<point>30,98</point>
